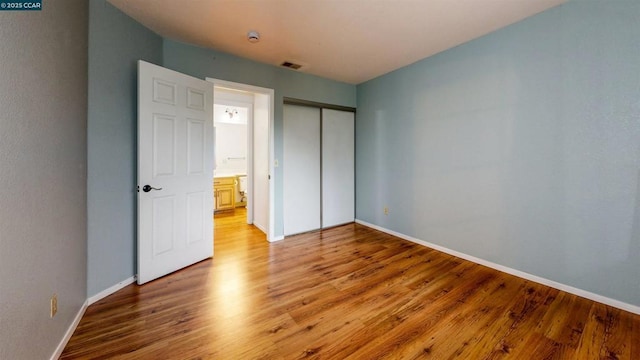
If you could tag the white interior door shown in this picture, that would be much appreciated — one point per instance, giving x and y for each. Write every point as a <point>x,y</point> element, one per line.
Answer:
<point>338,167</point>
<point>175,156</point>
<point>301,172</point>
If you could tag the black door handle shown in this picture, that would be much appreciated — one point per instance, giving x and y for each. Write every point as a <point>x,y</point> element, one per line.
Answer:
<point>148,188</point>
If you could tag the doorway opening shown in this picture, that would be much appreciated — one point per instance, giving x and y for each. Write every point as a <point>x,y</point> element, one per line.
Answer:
<point>243,165</point>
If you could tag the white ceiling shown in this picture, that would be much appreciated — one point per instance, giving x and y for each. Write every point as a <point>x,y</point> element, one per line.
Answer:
<point>346,40</point>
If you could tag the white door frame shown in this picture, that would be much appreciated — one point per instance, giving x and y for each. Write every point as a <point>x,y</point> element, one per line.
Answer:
<point>269,92</point>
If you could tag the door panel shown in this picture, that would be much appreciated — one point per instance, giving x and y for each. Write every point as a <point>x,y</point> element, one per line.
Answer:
<point>196,213</point>
<point>338,167</point>
<point>175,156</point>
<point>164,154</point>
<point>196,147</point>
<point>164,91</point>
<point>301,172</point>
<point>195,99</point>
<point>163,231</point>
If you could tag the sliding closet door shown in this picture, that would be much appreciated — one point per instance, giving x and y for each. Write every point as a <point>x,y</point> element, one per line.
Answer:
<point>301,169</point>
<point>338,167</point>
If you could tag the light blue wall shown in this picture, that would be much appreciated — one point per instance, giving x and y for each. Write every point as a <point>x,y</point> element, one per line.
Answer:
<point>43,181</point>
<point>202,63</point>
<point>521,148</point>
<point>116,42</point>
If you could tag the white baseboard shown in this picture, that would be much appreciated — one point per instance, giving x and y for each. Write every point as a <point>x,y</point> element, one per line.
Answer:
<point>69,333</point>
<point>262,228</point>
<point>277,238</point>
<point>97,297</point>
<point>521,274</point>
<point>104,293</point>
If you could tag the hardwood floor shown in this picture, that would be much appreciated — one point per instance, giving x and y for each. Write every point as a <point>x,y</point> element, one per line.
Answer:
<point>346,293</point>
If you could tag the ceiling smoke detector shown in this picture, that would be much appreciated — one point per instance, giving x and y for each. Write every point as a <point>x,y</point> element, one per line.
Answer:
<point>253,36</point>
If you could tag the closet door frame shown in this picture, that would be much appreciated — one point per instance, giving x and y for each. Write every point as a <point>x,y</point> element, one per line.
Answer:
<point>321,107</point>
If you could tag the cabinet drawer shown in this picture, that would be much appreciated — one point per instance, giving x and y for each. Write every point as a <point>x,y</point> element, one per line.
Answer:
<point>224,181</point>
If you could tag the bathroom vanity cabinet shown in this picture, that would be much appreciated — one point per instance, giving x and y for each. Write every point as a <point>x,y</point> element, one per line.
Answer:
<point>224,193</point>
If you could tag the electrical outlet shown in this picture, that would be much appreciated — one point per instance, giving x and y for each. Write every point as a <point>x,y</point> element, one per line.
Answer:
<point>386,210</point>
<point>54,305</point>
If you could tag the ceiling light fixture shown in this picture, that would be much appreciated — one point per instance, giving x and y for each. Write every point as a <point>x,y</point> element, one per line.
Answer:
<point>253,36</point>
<point>231,112</point>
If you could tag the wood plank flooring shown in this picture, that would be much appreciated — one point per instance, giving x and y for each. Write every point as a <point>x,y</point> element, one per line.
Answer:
<point>346,293</point>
